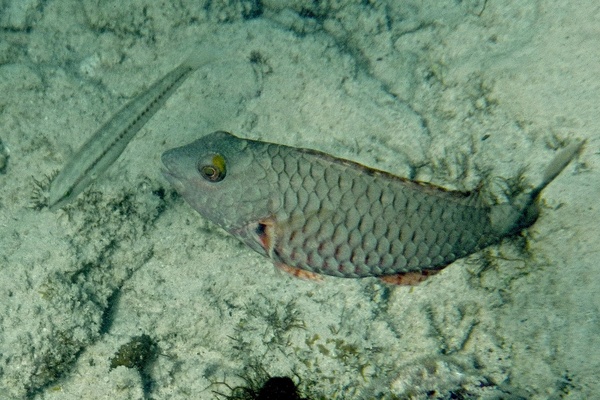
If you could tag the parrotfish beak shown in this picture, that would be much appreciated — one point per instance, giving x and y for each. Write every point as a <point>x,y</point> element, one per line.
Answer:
<point>170,171</point>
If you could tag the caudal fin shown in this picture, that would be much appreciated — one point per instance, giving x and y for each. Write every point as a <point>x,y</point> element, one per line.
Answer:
<point>523,211</point>
<point>556,166</point>
<point>560,161</point>
<point>209,55</point>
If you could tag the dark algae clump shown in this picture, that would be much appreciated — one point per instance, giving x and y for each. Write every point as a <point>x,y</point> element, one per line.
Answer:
<point>260,386</point>
<point>279,387</point>
<point>137,353</point>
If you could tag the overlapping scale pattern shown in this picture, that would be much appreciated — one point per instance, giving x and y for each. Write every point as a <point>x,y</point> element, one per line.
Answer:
<point>338,218</point>
<point>312,211</point>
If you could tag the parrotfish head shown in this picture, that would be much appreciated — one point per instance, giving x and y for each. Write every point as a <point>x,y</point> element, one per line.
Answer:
<point>220,177</point>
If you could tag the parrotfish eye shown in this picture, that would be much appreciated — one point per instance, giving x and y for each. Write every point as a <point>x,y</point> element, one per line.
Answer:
<point>212,167</point>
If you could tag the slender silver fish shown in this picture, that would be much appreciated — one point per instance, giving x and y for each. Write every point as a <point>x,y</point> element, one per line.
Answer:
<point>108,142</point>
<point>313,214</point>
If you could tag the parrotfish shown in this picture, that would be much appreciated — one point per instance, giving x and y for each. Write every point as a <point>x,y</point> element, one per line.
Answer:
<point>314,214</point>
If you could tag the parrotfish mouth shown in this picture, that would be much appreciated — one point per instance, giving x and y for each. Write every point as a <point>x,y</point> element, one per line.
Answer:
<point>170,170</point>
<point>173,179</point>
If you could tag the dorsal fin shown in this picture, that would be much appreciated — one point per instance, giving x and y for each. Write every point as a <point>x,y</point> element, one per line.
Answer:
<point>426,187</point>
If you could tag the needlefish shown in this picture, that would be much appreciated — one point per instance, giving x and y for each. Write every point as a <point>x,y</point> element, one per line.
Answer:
<point>106,145</point>
<point>314,214</point>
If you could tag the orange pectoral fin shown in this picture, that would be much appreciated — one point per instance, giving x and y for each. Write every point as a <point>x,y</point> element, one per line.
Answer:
<point>299,273</point>
<point>408,278</point>
<point>265,233</point>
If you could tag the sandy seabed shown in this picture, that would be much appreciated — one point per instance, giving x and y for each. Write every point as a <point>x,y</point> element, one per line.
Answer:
<point>449,92</point>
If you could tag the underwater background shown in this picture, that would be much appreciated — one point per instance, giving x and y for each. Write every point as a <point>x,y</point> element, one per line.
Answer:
<point>127,293</point>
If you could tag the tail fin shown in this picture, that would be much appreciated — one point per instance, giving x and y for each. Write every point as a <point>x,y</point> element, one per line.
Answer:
<point>523,211</point>
<point>208,55</point>
<point>531,209</point>
<point>560,161</point>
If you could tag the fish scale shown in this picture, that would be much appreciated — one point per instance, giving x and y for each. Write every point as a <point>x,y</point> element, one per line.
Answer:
<point>359,224</point>
<point>313,213</point>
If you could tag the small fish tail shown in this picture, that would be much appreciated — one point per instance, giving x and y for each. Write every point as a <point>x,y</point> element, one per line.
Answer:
<point>203,56</point>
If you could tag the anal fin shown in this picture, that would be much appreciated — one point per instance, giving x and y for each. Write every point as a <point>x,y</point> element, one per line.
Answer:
<point>408,278</point>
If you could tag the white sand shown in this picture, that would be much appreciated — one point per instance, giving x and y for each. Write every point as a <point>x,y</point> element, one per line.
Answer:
<point>445,93</point>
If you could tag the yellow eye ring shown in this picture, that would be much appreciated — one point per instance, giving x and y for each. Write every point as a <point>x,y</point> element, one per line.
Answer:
<point>215,170</point>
